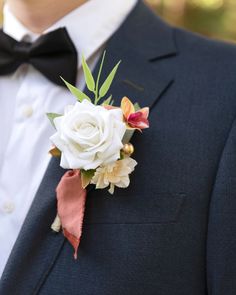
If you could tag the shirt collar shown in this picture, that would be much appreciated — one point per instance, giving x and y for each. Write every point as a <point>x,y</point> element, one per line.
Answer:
<point>89,25</point>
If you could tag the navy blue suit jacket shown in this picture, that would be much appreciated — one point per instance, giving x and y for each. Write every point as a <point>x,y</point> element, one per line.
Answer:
<point>173,231</point>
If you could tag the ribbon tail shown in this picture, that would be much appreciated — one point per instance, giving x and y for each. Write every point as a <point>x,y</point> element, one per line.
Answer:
<point>71,199</point>
<point>73,241</point>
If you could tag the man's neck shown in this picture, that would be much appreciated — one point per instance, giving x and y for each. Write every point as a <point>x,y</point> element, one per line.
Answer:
<point>39,15</point>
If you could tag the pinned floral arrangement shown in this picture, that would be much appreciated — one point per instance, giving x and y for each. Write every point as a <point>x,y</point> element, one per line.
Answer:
<point>93,140</point>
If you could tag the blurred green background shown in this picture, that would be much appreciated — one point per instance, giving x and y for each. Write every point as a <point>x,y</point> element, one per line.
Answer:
<point>213,18</point>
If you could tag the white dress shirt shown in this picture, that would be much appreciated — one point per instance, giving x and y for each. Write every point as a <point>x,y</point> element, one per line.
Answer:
<point>26,96</point>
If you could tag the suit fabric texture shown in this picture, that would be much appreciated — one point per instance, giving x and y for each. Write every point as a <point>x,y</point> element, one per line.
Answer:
<point>173,231</point>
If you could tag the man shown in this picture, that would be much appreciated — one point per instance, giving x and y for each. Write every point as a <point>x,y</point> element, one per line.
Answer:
<point>173,231</point>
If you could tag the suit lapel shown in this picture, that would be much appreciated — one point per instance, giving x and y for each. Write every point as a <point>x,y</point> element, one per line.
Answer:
<point>141,76</point>
<point>143,79</point>
<point>37,246</point>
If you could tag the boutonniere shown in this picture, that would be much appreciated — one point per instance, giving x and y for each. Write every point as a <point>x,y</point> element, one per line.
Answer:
<point>92,140</point>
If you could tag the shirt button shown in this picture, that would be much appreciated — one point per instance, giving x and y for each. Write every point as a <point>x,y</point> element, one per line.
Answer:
<point>27,111</point>
<point>8,207</point>
<point>23,69</point>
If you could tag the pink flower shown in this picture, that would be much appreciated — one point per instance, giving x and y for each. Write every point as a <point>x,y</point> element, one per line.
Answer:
<point>134,119</point>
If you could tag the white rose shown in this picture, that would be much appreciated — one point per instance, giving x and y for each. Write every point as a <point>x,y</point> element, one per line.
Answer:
<point>89,136</point>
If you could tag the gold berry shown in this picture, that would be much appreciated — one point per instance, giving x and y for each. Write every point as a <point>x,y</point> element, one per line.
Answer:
<point>128,149</point>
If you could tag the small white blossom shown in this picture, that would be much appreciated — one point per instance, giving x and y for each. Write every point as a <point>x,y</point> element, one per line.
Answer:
<point>114,174</point>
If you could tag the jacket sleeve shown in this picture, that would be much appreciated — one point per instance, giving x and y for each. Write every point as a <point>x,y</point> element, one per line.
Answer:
<point>221,236</point>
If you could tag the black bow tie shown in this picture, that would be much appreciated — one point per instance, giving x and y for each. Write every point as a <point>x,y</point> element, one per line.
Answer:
<point>53,54</point>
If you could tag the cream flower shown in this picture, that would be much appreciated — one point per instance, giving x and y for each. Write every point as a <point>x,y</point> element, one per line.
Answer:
<point>115,174</point>
<point>89,136</point>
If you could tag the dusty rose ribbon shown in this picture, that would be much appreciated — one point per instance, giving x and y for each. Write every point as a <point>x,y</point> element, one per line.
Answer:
<point>71,198</point>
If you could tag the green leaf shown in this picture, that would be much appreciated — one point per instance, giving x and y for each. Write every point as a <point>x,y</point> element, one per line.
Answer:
<point>88,75</point>
<point>112,102</point>
<point>86,176</point>
<point>107,84</point>
<point>137,107</point>
<point>107,101</point>
<point>122,156</point>
<point>98,78</point>
<point>52,116</point>
<point>76,92</point>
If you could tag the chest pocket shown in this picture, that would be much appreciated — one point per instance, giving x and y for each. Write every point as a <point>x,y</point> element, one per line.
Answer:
<point>128,206</point>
